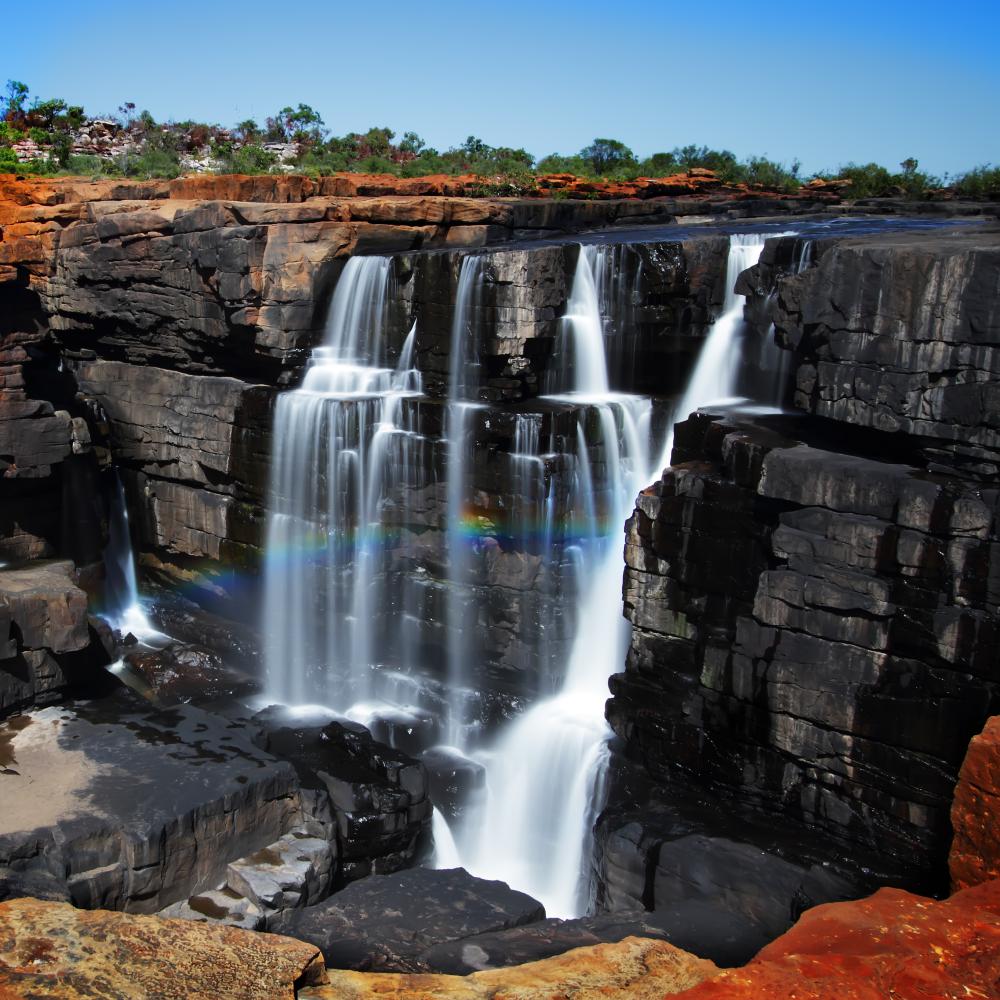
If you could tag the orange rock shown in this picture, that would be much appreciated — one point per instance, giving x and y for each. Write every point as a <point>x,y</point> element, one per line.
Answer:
<point>975,812</point>
<point>636,968</point>
<point>54,950</point>
<point>891,945</point>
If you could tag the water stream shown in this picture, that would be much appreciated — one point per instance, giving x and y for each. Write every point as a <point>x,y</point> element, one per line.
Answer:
<point>342,611</point>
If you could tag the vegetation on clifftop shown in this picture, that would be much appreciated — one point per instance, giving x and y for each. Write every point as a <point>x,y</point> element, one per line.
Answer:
<point>50,138</point>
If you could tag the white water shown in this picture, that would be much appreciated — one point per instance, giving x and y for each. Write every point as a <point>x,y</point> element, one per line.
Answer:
<point>714,377</point>
<point>543,770</point>
<point>344,444</point>
<point>122,604</point>
<point>344,447</point>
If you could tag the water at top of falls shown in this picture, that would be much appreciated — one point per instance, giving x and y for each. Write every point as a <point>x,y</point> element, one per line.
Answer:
<point>583,327</point>
<point>714,377</point>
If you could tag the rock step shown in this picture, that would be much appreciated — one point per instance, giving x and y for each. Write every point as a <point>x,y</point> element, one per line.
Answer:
<point>219,906</point>
<point>293,871</point>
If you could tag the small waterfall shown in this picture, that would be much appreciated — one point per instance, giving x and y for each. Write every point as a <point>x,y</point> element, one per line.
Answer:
<point>122,606</point>
<point>345,447</point>
<point>445,852</point>
<point>773,361</point>
<point>543,771</point>
<point>714,377</point>
<point>462,407</point>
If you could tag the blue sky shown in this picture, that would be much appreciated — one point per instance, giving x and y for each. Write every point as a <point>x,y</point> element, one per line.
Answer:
<point>827,83</point>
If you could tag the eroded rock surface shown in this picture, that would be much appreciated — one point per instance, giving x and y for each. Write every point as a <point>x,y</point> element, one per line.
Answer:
<point>54,950</point>
<point>975,812</point>
<point>636,968</point>
<point>814,632</point>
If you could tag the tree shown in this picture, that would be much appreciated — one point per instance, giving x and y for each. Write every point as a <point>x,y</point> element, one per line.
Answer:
<point>300,124</point>
<point>607,155</point>
<point>17,94</point>
<point>248,131</point>
<point>412,143</point>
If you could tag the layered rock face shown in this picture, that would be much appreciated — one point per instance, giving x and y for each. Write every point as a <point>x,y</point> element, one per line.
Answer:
<point>813,599</point>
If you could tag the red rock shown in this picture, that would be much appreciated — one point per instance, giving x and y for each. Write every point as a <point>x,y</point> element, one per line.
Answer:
<point>891,946</point>
<point>975,812</point>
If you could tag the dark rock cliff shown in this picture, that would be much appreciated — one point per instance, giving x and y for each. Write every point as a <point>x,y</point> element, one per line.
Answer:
<point>814,598</point>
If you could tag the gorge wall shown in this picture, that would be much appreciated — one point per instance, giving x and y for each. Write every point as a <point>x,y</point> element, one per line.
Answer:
<point>814,597</point>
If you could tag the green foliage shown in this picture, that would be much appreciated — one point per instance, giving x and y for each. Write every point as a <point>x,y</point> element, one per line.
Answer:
<point>150,163</point>
<point>608,156</point>
<point>982,182</point>
<point>872,180</point>
<point>250,158</point>
<point>659,165</point>
<point>8,161</point>
<point>13,103</point>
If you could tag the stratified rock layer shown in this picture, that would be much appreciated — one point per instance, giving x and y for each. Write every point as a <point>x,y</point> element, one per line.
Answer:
<point>975,812</point>
<point>133,809</point>
<point>814,632</point>
<point>54,950</point>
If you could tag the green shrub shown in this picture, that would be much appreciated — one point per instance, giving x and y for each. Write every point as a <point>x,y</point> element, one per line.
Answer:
<point>982,182</point>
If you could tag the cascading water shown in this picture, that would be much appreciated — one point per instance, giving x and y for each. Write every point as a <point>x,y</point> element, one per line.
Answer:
<point>462,406</point>
<point>344,447</point>
<point>545,804</point>
<point>122,605</point>
<point>715,373</point>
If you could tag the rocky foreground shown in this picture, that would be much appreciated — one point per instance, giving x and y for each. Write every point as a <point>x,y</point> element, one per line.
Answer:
<point>890,945</point>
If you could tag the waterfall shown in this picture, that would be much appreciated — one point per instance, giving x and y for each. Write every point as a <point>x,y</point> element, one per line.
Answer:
<point>345,447</point>
<point>348,601</point>
<point>714,377</point>
<point>462,406</point>
<point>121,591</point>
<point>543,770</point>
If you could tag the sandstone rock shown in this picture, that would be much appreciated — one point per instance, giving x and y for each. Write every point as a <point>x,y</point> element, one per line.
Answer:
<point>636,968</point>
<point>975,812</point>
<point>388,922</point>
<point>54,950</point>
<point>45,605</point>
<point>892,944</point>
<point>809,632</point>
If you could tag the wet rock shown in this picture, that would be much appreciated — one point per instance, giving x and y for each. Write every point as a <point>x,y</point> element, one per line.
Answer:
<point>453,780</point>
<point>137,808</point>
<point>635,968</point>
<point>374,798</point>
<point>389,922</point>
<point>34,881</point>
<point>183,672</point>
<point>54,950</point>
<point>975,812</point>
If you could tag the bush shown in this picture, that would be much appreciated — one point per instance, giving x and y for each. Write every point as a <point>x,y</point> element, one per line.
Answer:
<point>8,161</point>
<point>248,159</point>
<point>982,182</point>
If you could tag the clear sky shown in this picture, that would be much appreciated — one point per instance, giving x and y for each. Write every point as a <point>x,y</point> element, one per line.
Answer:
<point>825,82</point>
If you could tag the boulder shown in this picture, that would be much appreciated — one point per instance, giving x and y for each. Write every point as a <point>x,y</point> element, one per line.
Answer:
<point>975,812</point>
<point>389,922</point>
<point>636,968</point>
<point>54,950</point>
<point>892,944</point>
